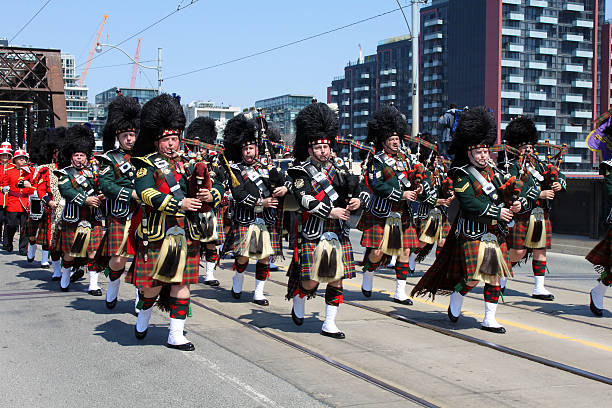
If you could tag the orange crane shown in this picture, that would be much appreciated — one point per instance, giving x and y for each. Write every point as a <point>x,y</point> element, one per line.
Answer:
<point>92,51</point>
<point>135,65</point>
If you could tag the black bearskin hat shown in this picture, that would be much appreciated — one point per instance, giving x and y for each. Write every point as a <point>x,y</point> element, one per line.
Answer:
<point>161,116</point>
<point>54,144</point>
<point>123,115</point>
<point>79,139</point>
<point>476,127</point>
<point>386,122</point>
<point>239,131</point>
<point>520,131</point>
<point>36,147</point>
<point>203,129</point>
<point>315,122</point>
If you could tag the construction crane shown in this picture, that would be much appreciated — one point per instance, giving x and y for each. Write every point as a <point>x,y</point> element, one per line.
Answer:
<point>135,65</point>
<point>92,51</point>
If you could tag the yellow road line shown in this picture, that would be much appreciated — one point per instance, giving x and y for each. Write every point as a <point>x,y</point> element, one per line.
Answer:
<point>504,322</point>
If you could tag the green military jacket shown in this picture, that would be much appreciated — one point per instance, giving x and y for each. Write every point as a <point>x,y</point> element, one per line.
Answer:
<point>117,175</point>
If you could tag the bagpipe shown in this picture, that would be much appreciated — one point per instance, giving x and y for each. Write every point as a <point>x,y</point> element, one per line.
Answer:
<point>510,186</point>
<point>552,162</point>
<point>598,140</point>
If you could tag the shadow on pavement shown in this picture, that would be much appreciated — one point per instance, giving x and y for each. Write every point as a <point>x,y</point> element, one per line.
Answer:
<point>116,331</point>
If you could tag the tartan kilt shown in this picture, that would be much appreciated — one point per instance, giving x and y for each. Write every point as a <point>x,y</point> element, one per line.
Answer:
<point>240,232</point>
<point>220,213</point>
<point>469,255</point>
<point>44,231</point>
<point>140,273</point>
<point>600,254</point>
<point>304,253</point>
<point>31,227</point>
<point>518,233</point>
<point>373,229</point>
<point>114,234</point>
<point>68,231</point>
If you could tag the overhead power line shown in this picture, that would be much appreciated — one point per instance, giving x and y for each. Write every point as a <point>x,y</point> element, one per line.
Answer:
<point>30,20</point>
<point>283,45</point>
<point>179,8</point>
<point>120,65</point>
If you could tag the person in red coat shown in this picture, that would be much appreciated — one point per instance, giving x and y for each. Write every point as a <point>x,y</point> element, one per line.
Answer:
<point>18,185</point>
<point>6,154</point>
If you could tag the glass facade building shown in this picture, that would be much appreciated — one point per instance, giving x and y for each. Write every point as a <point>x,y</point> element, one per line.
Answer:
<point>281,111</point>
<point>76,96</point>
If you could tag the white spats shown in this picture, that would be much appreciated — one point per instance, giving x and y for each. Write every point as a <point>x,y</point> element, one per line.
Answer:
<point>259,289</point>
<point>538,288</point>
<point>31,251</point>
<point>412,261</point>
<point>57,269</point>
<point>237,281</point>
<point>44,261</point>
<point>597,294</point>
<point>113,290</point>
<point>456,301</point>
<point>299,306</point>
<point>392,262</point>
<point>93,280</point>
<point>65,280</point>
<point>210,271</point>
<point>400,290</point>
<point>142,322</point>
<point>136,309</point>
<point>175,334</point>
<point>368,281</point>
<point>329,325</point>
<point>489,318</point>
<point>502,282</point>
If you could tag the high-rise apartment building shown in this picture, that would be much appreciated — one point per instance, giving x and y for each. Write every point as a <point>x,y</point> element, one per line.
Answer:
<point>281,111</point>
<point>76,96</point>
<point>221,114</point>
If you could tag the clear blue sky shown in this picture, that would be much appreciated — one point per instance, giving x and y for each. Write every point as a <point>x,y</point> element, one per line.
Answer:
<point>211,32</point>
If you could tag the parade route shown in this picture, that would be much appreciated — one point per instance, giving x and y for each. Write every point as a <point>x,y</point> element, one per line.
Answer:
<point>251,356</point>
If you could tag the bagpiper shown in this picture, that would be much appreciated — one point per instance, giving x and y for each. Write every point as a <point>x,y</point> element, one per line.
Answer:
<point>475,250</point>
<point>202,134</point>
<point>532,230</point>
<point>49,190</point>
<point>17,185</point>
<point>81,227</point>
<point>168,237</point>
<point>257,190</point>
<point>327,193</point>
<point>6,154</point>
<point>117,175</point>
<point>387,223</point>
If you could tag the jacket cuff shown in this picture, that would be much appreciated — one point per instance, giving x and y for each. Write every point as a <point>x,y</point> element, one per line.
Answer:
<point>395,196</point>
<point>249,201</point>
<point>492,211</point>
<point>79,199</point>
<point>216,195</point>
<point>124,194</point>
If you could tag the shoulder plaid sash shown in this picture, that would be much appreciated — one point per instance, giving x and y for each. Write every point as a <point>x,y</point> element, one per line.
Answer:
<point>323,184</point>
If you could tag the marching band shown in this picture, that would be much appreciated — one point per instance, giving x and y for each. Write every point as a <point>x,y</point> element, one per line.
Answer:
<point>161,197</point>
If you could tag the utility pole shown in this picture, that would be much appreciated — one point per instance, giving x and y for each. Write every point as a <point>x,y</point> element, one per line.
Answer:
<point>415,67</point>
<point>159,71</point>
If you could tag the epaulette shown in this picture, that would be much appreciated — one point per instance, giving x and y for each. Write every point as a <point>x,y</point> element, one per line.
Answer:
<point>61,172</point>
<point>143,160</point>
<point>380,156</point>
<point>295,171</point>
<point>458,170</point>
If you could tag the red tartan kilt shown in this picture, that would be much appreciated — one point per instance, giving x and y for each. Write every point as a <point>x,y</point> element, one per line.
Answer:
<point>140,274</point>
<point>31,227</point>
<point>600,254</point>
<point>240,233</point>
<point>114,234</point>
<point>306,250</point>
<point>44,231</point>
<point>518,233</point>
<point>469,255</point>
<point>68,231</point>
<point>220,213</point>
<point>373,229</point>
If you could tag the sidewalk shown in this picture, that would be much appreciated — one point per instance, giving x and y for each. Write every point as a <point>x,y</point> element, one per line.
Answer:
<point>572,244</point>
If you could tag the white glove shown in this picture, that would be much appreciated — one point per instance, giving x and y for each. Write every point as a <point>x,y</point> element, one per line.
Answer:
<point>6,189</point>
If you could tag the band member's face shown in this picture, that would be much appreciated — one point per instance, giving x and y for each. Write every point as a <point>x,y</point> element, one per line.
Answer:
<point>321,152</point>
<point>392,145</point>
<point>478,157</point>
<point>168,146</point>
<point>79,160</point>
<point>4,158</point>
<point>20,161</point>
<point>250,153</point>
<point>126,140</point>
<point>527,148</point>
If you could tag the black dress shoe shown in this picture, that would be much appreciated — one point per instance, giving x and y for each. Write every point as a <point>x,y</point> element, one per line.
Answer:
<point>65,289</point>
<point>297,320</point>
<point>366,293</point>
<point>9,248</point>
<point>261,302</point>
<point>30,260</point>
<point>499,330</point>
<point>213,282</point>
<point>111,304</point>
<point>140,335</point>
<point>338,335</point>
<point>56,278</point>
<point>502,289</point>
<point>596,311</point>
<point>550,297</point>
<point>182,347</point>
<point>406,301</point>
<point>236,295</point>
<point>452,317</point>
<point>96,292</point>
<point>78,274</point>
<point>24,253</point>
<point>44,266</point>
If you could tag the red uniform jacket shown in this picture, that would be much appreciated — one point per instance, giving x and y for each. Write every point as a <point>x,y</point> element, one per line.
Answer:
<point>3,169</point>
<point>42,184</point>
<point>18,198</point>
